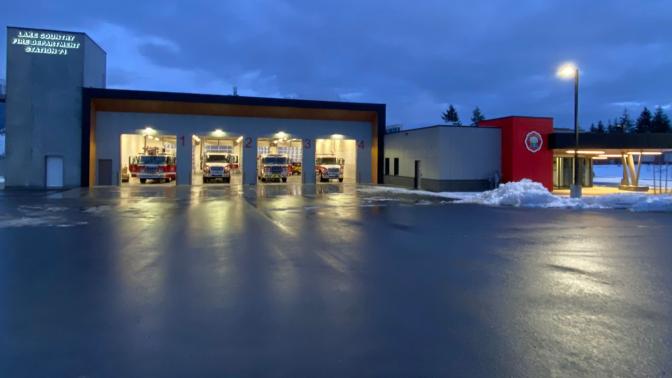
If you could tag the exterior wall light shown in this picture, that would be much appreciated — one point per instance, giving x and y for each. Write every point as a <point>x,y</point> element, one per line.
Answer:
<point>337,136</point>
<point>218,133</point>
<point>148,131</point>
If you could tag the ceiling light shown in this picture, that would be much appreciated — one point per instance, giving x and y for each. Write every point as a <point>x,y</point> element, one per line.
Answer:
<point>651,153</point>
<point>586,152</point>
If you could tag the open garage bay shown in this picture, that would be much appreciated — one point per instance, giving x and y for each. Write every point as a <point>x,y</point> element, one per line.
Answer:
<point>146,158</point>
<point>217,158</point>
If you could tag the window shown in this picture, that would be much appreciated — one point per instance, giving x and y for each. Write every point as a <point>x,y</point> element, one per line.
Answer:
<point>265,150</point>
<point>295,154</point>
<point>387,166</point>
<point>396,166</point>
<point>228,149</point>
<point>326,161</point>
<point>274,160</point>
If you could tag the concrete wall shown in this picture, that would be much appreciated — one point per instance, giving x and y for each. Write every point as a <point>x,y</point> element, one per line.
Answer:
<point>2,129</point>
<point>110,125</point>
<point>44,99</point>
<point>2,139</point>
<point>95,65</point>
<point>2,114</point>
<point>451,158</point>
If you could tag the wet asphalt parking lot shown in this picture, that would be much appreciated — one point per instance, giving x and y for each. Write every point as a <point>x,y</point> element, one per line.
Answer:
<point>326,280</point>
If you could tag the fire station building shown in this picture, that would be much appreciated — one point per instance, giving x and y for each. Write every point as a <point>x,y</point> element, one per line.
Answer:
<point>64,128</point>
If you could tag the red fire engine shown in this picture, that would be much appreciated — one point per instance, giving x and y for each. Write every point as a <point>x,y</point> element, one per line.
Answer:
<point>155,165</point>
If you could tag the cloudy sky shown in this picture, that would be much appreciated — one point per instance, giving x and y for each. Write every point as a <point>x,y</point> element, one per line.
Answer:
<point>415,56</point>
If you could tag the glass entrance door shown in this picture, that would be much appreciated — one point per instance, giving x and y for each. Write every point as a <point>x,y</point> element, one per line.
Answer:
<point>563,171</point>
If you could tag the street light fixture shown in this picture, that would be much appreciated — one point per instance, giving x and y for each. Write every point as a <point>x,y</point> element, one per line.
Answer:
<point>571,71</point>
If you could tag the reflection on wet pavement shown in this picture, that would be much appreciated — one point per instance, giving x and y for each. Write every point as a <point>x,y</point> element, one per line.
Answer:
<point>306,280</point>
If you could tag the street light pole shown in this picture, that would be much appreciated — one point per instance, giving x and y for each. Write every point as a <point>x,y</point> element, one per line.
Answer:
<point>568,71</point>
<point>575,191</point>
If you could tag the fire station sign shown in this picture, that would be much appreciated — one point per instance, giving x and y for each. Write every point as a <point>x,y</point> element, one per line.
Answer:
<point>533,141</point>
<point>48,43</point>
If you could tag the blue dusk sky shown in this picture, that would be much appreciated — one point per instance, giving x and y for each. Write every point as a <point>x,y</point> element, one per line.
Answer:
<point>417,57</point>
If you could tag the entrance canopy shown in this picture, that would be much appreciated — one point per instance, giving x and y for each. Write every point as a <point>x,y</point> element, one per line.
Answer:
<point>629,149</point>
<point>621,142</point>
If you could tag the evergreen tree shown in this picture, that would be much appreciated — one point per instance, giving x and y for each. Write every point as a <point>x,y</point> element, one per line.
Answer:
<point>450,116</point>
<point>476,117</point>
<point>614,127</point>
<point>600,128</point>
<point>643,124</point>
<point>625,122</point>
<point>593,129</point>
<point>660,122</point>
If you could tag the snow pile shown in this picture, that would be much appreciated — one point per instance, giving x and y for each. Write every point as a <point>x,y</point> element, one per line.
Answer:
<point>527,193</point>
<point>635,202</point>
<point>405,191</point>
<point>524,193</point>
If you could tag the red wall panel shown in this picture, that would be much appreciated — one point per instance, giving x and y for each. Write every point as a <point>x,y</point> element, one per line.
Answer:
<point>519,161</point>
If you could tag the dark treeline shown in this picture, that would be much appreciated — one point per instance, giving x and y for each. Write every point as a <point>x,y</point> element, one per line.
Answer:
<point>451,117</point>
<point>647,122</point>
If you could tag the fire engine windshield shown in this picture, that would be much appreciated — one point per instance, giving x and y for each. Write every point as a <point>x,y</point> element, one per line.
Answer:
<point>327,160</point>
<point>218,159</point>
<point>152,160</point>
<point>275,160</point>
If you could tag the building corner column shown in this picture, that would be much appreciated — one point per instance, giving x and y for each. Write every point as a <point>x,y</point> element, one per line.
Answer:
<point>184,156</point>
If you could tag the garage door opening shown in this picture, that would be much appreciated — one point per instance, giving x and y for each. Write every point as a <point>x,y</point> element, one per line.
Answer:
<point>279,159</point>
<point>336,160</point>
<point>216,159</point>
<point>148,158</point>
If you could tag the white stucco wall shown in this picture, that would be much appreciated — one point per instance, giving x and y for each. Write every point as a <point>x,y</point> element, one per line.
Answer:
<point>414,145</point>
<point>446,153</point>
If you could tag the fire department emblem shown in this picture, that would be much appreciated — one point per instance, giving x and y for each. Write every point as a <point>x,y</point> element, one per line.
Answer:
<point>533,141</point>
